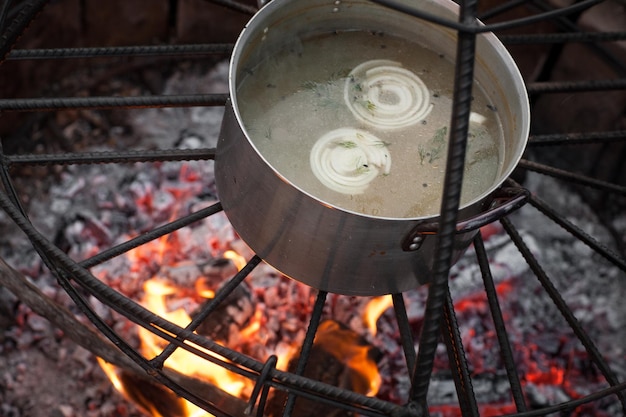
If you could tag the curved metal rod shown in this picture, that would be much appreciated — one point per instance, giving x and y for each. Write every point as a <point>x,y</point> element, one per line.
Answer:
<point>563,308</point>
<point>472,27</point>
<point>13,208</point>
<point>28,11</point>
<point>239,363</point>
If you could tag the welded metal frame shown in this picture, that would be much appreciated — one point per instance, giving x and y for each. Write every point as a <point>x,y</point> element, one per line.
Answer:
<point>439,320</point>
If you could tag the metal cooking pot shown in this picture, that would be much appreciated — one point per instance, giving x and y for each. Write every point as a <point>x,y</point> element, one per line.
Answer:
<point>310,240</point>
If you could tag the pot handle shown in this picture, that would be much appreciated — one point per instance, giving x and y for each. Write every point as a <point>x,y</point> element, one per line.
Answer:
<point>504,201</point>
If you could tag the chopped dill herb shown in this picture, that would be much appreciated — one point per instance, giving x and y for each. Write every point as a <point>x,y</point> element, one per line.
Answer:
<point>309,85</point>
<point>433,149</point>
<point>422,153</point>
<point>439,143</point>
<point>338,75</point>
<point>347,144</point>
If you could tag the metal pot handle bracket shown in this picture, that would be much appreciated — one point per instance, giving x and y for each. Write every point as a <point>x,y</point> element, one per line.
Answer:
<point>504,201</point>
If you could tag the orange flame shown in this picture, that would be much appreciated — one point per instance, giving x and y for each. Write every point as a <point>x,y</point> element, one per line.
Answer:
<point>374,309</point>
<point>157,291</point>
<point>181,360</point>
<point>237,259</point>
<point>346,346</point>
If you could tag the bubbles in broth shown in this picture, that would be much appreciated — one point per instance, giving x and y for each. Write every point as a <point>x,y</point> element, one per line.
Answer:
<point>361,122</point>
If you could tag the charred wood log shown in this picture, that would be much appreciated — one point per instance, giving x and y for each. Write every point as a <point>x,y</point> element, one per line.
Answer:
<point>230,316</point>
<point>339,357</point>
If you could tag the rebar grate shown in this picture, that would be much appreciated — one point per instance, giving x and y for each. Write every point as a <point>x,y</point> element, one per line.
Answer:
<point>440,317</point>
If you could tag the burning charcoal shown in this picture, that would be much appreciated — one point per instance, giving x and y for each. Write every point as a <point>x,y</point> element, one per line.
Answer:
<point>214,273</point>
<point>232,314</point>
<point>544,395</point>
<point>339,357</point>
<point>183,274</point>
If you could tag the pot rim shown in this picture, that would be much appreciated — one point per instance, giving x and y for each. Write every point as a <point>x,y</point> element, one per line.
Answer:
<point>489,37</point>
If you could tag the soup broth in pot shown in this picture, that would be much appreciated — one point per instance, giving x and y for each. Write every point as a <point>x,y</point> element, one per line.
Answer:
<point>361,121</point>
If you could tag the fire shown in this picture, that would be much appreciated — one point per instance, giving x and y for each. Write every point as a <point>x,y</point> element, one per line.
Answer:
<point>111,373</point>
<point>158,296</point>
<point>374,309</point>
<point>182,361</point>
<point>346,346</point>
<point>237,259</point>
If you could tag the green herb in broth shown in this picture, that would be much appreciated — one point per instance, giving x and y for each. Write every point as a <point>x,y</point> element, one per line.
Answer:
<point>434,148</point>
<point>347,144</point>
<point>324,89</point>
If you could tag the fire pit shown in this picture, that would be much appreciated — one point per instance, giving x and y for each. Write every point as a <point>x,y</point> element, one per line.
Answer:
<point>174,240</point>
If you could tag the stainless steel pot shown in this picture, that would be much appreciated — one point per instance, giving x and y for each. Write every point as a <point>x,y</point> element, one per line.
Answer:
<point>310,240</point>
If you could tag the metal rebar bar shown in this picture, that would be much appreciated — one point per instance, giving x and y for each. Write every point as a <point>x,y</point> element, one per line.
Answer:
<point>462,98</point>
<point>563,308</point>
<point>307,345</point>
<point>122,51</point>
<point>472,27</point>
<point>237,362</point>
<point>139,102</point>
<point>566,407</point>
<point>458,361</point>
<point>153,234</point>
<point>544,38</point>
<point>578,138</point>
<point>404,327</point>
<point>113,157</point>
<point>575,86</point>
<point>570,25</point>
<point>572,177</point>
<point>577,232</point>
<point>506,350</point>
<point>208,308</point>
<point>28,10</point>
